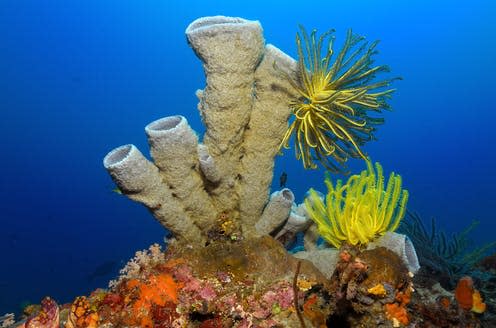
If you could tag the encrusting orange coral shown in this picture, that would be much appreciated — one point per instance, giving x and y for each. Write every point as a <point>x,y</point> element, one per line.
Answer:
<point>157,290</point>
<point>397,311</point>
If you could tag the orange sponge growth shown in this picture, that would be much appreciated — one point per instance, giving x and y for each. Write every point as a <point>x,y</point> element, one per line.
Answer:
<point>463,292</point>
<point>468,297</point>
<point>397,311</point>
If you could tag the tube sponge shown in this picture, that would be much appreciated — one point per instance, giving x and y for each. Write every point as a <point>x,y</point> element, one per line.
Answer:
<point>140,180</point>
<point>261,140</point>
<point>276,211</point>
<point>401,245</point>
<point>230,49</point>
<point>173,145</point>
<point>174,148</point>
<point>325,259</point>
<point>244,107</point>
<point>297,221</point>
<point>207,165</point>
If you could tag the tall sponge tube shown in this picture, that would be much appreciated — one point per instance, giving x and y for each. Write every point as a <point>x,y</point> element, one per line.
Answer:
<point>140,180</point>
<point>268,123</point>
<point>230,48</point>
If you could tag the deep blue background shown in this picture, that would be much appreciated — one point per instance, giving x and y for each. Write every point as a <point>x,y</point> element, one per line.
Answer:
<point>78,78</point>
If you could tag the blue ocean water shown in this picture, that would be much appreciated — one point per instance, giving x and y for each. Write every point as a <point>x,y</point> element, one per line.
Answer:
<point>78,78</point>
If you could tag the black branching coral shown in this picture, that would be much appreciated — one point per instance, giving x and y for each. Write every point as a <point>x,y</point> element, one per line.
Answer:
<point>448,257</point>
<point>330,120</point>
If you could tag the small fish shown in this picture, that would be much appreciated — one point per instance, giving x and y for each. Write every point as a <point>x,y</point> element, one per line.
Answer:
<point>282,180</point>
<point>117,190</point>
<point>104,269</point>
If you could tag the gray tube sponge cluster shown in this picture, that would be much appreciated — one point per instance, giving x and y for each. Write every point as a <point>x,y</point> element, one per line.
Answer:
<point>245,108</point>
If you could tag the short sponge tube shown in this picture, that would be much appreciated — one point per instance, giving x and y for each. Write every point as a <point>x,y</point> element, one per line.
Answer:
<point>129,169</point>
<point>140,180</point>
<point>207,164</point>
<point>174,148</point>
<point>275,212</point>
<point>297,221</point>
<point>401,245</point>
<point>325,259</point>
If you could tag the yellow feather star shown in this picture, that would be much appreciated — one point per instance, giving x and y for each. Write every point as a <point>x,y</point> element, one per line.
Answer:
<point>360,210</point>
<point>329,118</point>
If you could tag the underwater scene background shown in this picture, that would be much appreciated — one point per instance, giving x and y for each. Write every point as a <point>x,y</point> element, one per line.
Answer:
<point>78,78</point>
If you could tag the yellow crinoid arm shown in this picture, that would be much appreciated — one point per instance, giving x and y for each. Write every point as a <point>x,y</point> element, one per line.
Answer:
<point>360,210</point>
<point>330,121</point>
